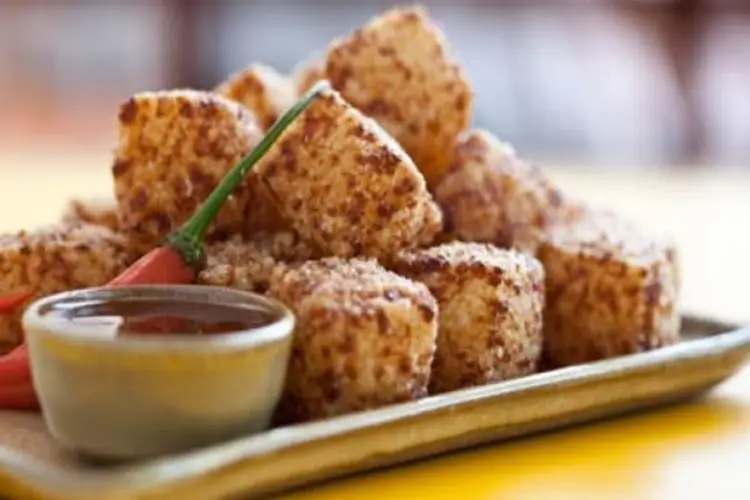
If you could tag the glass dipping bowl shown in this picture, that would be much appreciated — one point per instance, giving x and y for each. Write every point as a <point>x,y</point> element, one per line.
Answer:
<point>125,397</point>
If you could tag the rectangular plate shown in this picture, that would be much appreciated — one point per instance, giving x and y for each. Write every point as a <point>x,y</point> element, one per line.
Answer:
<point>31,465</point>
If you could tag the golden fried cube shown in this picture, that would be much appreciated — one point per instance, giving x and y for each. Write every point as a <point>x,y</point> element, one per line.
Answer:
<point>398,69</point>
<point>174,147</point>
<point>612,289</point>
<point>263,90</point>
<point>262,213</point>
<point>432,225</point>
<point>97,211</point>
<point>307,73</point>
<point>490,195</point>
<point>53,259</point>
<point>490,302</point>
<point>345,185</point>
<point>247,264</point>
<point>364,338</point>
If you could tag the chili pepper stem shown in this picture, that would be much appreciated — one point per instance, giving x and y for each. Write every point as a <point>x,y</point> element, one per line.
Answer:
<point>188,239</point>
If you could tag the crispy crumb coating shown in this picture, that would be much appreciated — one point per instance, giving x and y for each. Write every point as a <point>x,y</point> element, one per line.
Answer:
<point>344,184</point>
<point>364,338</point>
<point>262,214</point>
<point>105,212</point>
<point>432,225</point>
<point>174,147</point>
<point>490,302</point>
<point>262,89</point>
<point>490,195</point>
<point>308,72</point>
<point>612,290</point>
<point>248,264</point>
<point>398,69</point>
<point>54,259</point>
<point>97,211</point>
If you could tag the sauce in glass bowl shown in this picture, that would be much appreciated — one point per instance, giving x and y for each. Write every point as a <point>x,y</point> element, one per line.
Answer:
<point>160,316</point>
<point>140,371</point>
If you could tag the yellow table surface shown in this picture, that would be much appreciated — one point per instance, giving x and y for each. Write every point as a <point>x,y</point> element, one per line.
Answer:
<point>689,451</point>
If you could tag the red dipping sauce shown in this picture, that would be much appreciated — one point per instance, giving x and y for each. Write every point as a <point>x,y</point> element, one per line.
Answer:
<point>162,316</point>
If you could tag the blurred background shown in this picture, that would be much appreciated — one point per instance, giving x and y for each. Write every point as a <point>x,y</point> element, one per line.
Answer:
<point>621,84</point>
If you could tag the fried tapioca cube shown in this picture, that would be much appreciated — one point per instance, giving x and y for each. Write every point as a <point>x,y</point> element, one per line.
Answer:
<point>490,303</point>
<point>262,89</point>
<point>364,338</point>
<point>490,195</point>
<point>397,68</point>
<point>612,289</point>
<point>308,72</point>
<point>174,147</point>
<point>344,184</point>
<point>53,259</point>
<point>432,225</point>
<point>106,212</point>
<point>262,214</point>
<point>97,211</point>
<point>247,264</point>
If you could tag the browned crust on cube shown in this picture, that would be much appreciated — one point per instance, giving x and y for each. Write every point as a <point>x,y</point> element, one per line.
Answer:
<point>490,302</point>
<point>55,259</point>
<point>308,73</point>
<point>174,147</point>
<point>490,195</point>
<point>262,213</point>
<point>105,212</point>
<point>397,68</point>
<point>248,264</point>
<point>262,89</point>
<point>612,289</point>
<point>97,211</point>
<point>364,338</point>
<point>345,185</point>
<point>432,226</point>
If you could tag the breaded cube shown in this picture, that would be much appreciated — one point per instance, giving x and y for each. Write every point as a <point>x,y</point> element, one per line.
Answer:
<point>432,225</point>
<point>54,259</point>
<point>105,212</point>
<point>490,195</point>
<point>174,147</point>
<point>344,184</point>
<point>490,303</point>
<point>263,90</point>
<point>97,211</point>
<point>398,70</point>
<point>307,73</point>
<point>364,338</point>
<point>261,213</point>
<point>612,289</point>
<point>248,264</point>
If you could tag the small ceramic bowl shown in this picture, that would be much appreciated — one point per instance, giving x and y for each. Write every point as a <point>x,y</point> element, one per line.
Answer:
<point>140,396</point>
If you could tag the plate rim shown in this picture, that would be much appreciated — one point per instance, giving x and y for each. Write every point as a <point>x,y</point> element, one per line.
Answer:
<point>42,477</point>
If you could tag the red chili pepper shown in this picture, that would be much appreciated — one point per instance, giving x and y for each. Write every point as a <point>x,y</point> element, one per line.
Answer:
<point>161,265</point>
<point>20,396</point>
<point>16,388</point>
<point>9,374</point>
<point>9,303</point>
<point>176,261</point>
